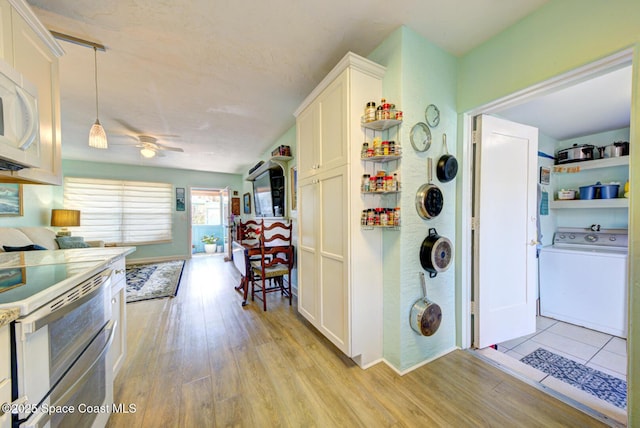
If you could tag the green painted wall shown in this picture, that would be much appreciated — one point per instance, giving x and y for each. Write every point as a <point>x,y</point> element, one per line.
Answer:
<point>557,38</point>
<point>37,202</point>
<point>179,247</point>
<point>418,74</point>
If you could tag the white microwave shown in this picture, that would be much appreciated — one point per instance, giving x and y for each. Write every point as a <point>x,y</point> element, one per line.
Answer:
<point>19,121</point>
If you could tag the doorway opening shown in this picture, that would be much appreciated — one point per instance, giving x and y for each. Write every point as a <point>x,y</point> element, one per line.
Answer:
<point>609,352</point>
<point>208,230</point>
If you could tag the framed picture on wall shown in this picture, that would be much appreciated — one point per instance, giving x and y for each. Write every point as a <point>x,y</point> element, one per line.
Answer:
<point>247,203</point>
<point>235,206</point>
<point>180,199</point>
<point>10,199</point>
<point>545,174</point>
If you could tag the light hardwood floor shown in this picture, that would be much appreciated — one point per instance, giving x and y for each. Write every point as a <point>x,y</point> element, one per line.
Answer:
<point>201,360</point>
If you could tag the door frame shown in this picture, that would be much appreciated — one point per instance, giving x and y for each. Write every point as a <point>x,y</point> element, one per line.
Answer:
<point>615,61</point>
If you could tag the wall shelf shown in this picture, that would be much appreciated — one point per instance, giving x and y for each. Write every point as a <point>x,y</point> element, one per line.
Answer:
<point>574,167</point>
<point>590,203</point>
<point>274,162</point>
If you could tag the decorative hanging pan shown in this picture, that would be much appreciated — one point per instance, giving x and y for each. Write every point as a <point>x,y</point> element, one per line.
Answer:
<point>429,198</point>
<point>425,315</point>
<point>436,253</point>
<point>447,164</point>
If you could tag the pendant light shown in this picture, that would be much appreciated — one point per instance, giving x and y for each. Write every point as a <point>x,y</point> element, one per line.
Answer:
<point>97,136</point>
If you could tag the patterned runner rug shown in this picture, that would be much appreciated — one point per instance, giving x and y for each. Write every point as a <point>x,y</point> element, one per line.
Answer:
<point>595,382</point>
<point>153,280</point>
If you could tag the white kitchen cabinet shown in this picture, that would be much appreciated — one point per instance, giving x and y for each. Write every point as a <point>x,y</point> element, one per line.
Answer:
<point>6,39</point>
<point>324,129</point>
<point>339,265</point>
<point>5,375</point>
<point>34,53</point>
<point>118,349</point>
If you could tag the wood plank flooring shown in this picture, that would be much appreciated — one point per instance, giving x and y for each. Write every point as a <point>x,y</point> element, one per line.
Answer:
<point>201,360</point>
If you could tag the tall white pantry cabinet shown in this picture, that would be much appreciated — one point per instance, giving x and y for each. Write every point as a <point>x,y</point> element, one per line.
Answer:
<point>339,265</point>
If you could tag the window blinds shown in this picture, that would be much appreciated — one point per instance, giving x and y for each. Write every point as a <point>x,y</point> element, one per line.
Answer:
<point>121,212</point>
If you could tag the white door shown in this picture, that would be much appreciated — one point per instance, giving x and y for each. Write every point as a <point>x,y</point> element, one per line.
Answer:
<point>504,236</point>
<point>226,223</point>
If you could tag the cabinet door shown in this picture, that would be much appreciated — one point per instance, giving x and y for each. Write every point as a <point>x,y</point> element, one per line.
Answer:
<point>117,350</point>
<point>332,258</point>
<point>307,129</point>
<point>6,39</point>
<point>39,65</point>
<point>308,298</point>
<point>332,103</point>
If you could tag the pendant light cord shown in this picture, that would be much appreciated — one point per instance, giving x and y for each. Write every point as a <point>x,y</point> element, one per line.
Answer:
<point>95,57</point>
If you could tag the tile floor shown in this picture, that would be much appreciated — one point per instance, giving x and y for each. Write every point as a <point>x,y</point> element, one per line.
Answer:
<point>597,350</point>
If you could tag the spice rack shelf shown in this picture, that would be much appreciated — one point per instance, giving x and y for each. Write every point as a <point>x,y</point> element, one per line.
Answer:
<point>384,158</point>
<point>385,192</point>
<point>380,227</point>
<point>381,125</point>
<point>375,162</point>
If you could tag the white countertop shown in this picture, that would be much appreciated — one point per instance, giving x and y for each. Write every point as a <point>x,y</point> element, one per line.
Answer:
<point>83,263</point>
<point>50,257</point>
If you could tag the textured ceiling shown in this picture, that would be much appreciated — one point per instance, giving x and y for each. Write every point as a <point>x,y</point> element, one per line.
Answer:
<point>221,79</point>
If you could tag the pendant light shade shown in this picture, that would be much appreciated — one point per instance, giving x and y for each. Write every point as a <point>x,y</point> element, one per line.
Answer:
<point>97,135</point>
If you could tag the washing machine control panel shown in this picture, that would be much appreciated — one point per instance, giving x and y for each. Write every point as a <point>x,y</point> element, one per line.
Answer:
<point>610,238</point>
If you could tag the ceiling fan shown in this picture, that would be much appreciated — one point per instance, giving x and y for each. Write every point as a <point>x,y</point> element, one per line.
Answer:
<point>149,146</point>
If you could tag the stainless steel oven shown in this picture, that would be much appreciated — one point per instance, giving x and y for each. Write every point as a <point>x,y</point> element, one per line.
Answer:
<point>59,359</point>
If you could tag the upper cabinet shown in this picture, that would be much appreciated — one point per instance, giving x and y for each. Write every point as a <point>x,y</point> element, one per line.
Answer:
<point>29,48</point>
<point>323,125</point>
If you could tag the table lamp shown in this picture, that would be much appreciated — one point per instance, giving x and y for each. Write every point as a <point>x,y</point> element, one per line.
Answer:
<point>64,219</point>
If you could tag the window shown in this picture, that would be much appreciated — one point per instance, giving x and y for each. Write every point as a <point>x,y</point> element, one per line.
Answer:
<point>121,212</point>
<point>206,207</point>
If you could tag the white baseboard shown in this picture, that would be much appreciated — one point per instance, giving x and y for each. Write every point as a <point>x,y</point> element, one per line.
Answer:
<point>410,369</point>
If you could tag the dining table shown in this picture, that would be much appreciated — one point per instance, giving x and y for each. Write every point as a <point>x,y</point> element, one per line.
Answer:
<point>242,251</point>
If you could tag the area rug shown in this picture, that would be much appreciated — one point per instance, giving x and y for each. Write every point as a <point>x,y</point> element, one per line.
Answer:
<point>595,382</point>
<point>153,280</point>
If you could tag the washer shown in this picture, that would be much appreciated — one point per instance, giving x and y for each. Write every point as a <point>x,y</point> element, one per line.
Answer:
<point>583,279</point>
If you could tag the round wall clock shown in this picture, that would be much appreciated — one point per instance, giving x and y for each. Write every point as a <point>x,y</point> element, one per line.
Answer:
<point>420,137</point>
<point>432,115</point>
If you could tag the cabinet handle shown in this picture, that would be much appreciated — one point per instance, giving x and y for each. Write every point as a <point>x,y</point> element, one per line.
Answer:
<point>120,271</point>
<point>113,301</point>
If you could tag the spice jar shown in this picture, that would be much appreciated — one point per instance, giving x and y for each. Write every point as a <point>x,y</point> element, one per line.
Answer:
<point>366,180</point>
<point>385,148</point>
<point>384,217</point>
<point>370,112</point>
<point>365,148</point>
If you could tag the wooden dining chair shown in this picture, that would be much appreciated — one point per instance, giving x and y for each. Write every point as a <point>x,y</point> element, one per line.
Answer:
<point>276,261</point>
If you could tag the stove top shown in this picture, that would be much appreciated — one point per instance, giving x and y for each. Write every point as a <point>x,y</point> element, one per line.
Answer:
<point>594,237</point>
<point>29,287</point>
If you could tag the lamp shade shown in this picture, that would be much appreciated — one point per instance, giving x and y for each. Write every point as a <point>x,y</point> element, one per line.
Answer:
<point>65,218</point>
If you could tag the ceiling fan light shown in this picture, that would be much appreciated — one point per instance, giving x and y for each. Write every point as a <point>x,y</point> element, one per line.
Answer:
<point>147,152</point>
<point>97,136</point>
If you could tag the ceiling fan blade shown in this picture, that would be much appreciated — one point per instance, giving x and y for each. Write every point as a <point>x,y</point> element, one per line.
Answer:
<point>171,149</point>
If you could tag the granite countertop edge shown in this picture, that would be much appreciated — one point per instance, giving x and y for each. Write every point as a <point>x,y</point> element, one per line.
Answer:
<point>8,315</point>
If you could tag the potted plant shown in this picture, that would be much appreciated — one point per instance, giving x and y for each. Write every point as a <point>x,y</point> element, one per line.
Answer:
<point>210,243</point>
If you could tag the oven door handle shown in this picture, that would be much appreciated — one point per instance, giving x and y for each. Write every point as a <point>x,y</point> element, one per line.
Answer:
<point>42,418</point>
<point>37,320</point>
